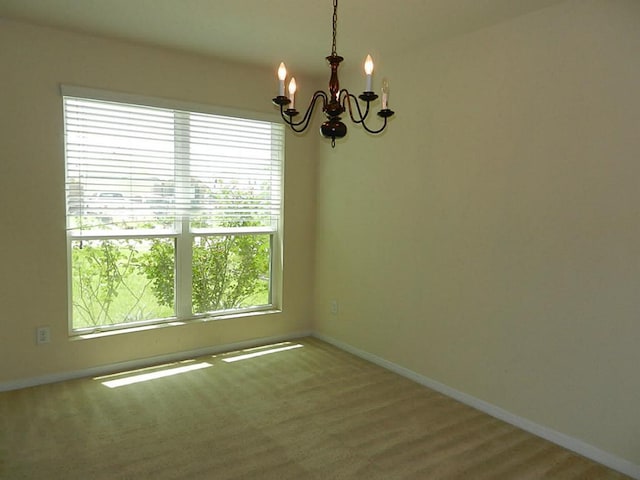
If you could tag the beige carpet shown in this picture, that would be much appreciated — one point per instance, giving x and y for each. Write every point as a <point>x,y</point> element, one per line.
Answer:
<point>311,412</point>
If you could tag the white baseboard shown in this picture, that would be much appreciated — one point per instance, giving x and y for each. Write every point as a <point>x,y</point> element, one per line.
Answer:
<point>570,443</point>
<point>145,362</point>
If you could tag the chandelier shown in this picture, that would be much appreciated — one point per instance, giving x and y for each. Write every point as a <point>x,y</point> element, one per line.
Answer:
<point>336,102</point>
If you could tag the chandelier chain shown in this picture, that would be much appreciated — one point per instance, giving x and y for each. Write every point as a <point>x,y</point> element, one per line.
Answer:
<point>335,22</point>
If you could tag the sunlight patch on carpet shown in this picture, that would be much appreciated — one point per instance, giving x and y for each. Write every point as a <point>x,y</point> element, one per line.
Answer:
<point>144,377</point>
<point>260,353</point>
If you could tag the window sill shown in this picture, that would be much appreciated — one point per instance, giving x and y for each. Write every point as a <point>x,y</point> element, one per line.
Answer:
<point>177,323</point>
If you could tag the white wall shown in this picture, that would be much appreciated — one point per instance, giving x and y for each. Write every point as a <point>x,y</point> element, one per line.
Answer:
<point>33,284</point>
<point>490,240</point>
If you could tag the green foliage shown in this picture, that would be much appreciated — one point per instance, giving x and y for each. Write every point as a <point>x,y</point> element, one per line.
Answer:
<point>158,265</point>
<point>96,270</point>
<point>227,270</point>
<point>107,285</point>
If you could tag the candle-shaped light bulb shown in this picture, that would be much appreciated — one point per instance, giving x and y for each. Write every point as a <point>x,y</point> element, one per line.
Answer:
<point>282,74</point>
<point>292,92</point>
<point>368,70</point>
<point>385,93</point>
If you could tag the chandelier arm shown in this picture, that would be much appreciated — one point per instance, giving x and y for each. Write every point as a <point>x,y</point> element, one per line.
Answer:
<point>384,114</point>
<point>384,125</point>
<point>308,114</point>
<point>346,102</point>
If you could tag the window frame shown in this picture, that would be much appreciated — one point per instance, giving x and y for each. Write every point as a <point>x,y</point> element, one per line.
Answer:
<point>183,233</point>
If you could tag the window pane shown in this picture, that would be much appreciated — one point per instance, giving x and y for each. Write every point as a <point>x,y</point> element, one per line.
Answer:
<point>236,169</point>
<point>230,272</point>
<point>119,159</point>
<point>122,281</point>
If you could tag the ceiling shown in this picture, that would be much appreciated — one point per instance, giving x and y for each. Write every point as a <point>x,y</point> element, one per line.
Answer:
<point>266,32</point>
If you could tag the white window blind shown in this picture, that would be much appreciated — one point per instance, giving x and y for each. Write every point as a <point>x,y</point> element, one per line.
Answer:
<point>129,166</point>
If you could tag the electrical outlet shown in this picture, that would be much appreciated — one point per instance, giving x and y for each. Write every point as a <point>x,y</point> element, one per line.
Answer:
<point>333,308</point>
<point>43,335</point>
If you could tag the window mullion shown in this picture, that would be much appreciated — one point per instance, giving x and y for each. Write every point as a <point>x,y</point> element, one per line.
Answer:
<point>184,240</point>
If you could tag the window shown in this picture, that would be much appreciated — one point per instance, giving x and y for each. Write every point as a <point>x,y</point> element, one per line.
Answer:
<point>171,214</point>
